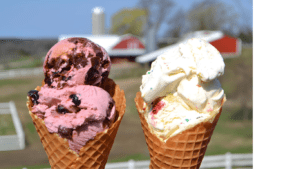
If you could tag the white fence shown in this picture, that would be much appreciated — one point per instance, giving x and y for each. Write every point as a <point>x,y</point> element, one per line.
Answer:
<point>216,161</point>
<point>12,142</point>
<point>226,161</point>
<point>16,73</point>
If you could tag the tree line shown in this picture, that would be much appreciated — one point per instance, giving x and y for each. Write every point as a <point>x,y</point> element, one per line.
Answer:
<point>203,15</point>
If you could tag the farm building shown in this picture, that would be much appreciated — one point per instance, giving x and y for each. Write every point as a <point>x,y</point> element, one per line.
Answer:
<point>227,46</point>
<point>131,48</point>
<point>120,48</point>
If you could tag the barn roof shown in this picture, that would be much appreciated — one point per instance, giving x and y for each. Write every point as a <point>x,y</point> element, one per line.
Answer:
<point>209,36</point>
<point>108,42</point>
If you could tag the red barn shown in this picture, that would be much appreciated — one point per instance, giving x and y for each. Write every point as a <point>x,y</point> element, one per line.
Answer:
<point>226,45</point>
<point>126,47</point>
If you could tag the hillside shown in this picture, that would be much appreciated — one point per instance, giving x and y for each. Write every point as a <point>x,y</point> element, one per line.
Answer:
<point>13,49</point>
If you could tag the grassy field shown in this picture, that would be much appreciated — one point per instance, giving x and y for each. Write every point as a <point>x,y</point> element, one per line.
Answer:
<point>7,125</point>
<point>232,134</point>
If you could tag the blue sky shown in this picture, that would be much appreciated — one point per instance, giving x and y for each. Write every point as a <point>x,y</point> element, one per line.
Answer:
<point>51,18</point>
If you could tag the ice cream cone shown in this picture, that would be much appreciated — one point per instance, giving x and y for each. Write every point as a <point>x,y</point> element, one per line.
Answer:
<point>95,153</point>
<point>184,150</point>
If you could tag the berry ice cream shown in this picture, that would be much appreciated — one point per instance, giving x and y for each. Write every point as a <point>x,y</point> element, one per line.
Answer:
<point>76,61</point>
<point>71,103</point>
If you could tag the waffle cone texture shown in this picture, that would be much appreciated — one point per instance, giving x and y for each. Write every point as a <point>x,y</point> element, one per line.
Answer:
<point>182,151</point>
<point>96,151</point>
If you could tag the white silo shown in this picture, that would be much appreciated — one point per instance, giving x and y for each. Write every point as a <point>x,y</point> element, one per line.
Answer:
<point>98,21</point>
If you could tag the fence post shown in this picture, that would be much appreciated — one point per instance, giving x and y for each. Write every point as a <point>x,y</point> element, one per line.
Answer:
<point>11,74</point>
<point>131,164</point>
<point>17,124</point>
<point>228,161</point>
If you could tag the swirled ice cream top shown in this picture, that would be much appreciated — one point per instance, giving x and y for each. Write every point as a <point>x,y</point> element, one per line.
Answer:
<point>196,56</point>
<point>181,89</point>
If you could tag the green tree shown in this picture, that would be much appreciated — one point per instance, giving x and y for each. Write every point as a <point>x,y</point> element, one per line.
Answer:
<point>246,35</point>
<point>129,21</point>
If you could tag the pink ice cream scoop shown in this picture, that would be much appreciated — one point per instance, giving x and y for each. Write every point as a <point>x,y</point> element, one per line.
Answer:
<point>71,103</point>
<point>76,61</point>
<point>77,113</point>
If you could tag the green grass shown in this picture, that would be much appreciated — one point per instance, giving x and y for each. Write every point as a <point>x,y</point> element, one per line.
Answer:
<point>230,135</point>
<point>237,79</point>
<point>130,94</point>
<point>16,90</point>
<point>33,64</point>
<point>30,127</point>
<point>233,132</point>
<point>14,82</point>
<point>6,125</point>
<point>27,62</point>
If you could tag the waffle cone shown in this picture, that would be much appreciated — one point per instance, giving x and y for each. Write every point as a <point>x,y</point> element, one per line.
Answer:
<point>184,150</point>
<point>96,151</point>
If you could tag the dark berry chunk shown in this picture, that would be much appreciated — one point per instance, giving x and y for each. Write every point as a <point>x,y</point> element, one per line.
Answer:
<point>65,132</point>
<point>105,64</point>
<point>48,81</point>
<point>105,74</point>
<point>58,62</point>
<point>76,40</point>
<point>66,78</point>
<point>75,99</point>
<point>95,62</point>
<point>61,109</point>
<point>92,76</point>
<point>35,102</point>
<point>55,74</point>
<point>33,94</point>
<point>99,54</point>
<point>111,105</point>
<point>79,60</point>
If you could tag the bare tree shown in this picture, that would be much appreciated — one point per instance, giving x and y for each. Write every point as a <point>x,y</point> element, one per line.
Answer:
<point>157,11</point>
<point>212,15</point>
<point>176,25</point>
<point>245,31</point>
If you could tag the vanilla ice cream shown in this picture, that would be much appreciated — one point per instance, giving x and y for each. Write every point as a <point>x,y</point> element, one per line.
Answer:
<point>181,89</point>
